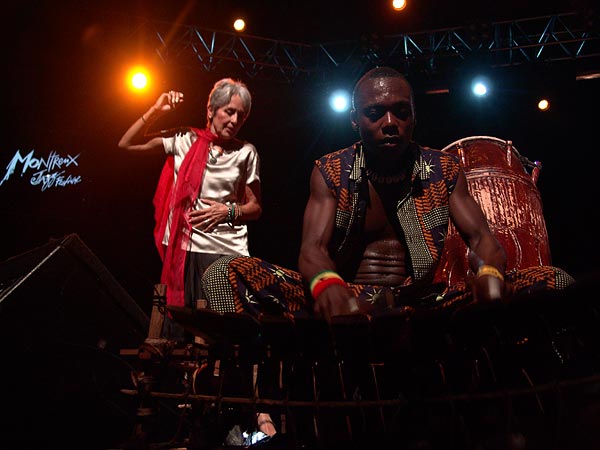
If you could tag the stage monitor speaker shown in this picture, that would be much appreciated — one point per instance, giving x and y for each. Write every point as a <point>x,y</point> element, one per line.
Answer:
<point>63,320</point>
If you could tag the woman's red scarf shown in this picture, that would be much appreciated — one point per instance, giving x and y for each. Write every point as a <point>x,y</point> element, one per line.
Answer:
<point>178,198</point>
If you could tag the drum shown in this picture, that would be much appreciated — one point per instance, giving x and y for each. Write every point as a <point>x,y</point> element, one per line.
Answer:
<point>501,370</point>
<point>503,183</point>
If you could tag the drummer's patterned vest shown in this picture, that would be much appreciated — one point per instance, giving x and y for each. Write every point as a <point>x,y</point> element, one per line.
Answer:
<point>423,214</point>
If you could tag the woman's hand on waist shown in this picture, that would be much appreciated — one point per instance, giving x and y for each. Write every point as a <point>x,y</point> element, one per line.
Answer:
<point>206,219</point>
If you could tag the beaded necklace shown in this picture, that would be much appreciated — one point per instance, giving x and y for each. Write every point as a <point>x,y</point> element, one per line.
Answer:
<point>385,179</point>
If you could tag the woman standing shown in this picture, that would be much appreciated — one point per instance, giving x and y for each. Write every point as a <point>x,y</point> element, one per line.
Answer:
<point>209,188</point>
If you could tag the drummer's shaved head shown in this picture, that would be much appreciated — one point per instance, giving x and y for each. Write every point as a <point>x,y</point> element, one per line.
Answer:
<point>380,72</point>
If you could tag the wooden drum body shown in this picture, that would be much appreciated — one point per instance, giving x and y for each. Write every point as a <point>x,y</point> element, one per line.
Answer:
<point>507,193</point>
<point>398,379</point>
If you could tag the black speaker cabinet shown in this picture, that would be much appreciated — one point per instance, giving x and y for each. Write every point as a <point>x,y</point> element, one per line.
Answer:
<point>63,319</point>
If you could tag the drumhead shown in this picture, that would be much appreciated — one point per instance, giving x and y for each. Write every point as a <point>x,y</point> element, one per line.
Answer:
<point>474,138</point>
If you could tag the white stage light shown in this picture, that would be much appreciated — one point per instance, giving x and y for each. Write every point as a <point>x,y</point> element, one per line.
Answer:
<point>480,86</point>
<point>339,101</point>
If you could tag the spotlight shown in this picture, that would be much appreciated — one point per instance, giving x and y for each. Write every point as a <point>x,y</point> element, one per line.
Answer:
<point>239,25</point>
<point>480,86</point>
<point>339,101</point>
<point>399,5</point>
<point>543,105</point>
<point>138,79</point>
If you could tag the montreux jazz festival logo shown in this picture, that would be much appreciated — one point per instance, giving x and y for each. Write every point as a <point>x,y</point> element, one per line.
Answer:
<point>54,170</point>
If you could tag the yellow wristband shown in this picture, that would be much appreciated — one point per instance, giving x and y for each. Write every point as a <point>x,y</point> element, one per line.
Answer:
<point>321,276</point>
<point>489,270</point>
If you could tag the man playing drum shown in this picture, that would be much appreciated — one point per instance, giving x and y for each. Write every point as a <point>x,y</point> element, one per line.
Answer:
<point>374,227</point>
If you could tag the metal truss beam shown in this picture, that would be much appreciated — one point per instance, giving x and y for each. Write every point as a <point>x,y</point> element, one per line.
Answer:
<point>548,39</point>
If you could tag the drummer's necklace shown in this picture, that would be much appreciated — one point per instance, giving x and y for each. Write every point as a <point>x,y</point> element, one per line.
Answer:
<point>213,158</point>
<point>385,179</point>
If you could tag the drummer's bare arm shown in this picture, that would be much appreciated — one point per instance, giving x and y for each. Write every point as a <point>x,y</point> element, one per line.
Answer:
<point>314,258</point>
<point>489,260</point>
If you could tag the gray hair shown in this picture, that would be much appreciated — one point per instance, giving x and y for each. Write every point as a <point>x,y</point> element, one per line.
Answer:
<point>226,88</point>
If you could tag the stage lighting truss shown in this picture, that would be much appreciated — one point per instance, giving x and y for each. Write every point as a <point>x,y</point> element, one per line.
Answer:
<point>549,39</point>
